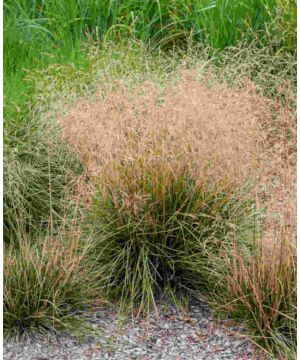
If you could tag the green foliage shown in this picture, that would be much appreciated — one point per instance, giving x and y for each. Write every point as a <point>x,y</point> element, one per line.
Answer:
<point>217,23</point>
<point>287,23</point>
<point>152,231</point>
<point>37,178</point>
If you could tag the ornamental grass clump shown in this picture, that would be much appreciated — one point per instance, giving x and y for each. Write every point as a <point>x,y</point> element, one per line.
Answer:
<point>45,284</point>
<point>197,141</point>
<point>39,175</point>
<point>150,221</point>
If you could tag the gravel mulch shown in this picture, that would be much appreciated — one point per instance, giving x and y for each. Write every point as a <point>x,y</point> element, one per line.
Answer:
<point>169,336</point>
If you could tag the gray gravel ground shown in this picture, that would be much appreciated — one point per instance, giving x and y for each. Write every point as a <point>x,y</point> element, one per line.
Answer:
<point>170,336</point>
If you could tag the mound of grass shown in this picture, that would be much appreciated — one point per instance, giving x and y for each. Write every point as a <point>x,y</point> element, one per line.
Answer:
<point>262,292</point>
<point>158,231</point>
<point>45,283</point>
<point>155,227</point>
<point>152,228</point>
<point>38,176</point>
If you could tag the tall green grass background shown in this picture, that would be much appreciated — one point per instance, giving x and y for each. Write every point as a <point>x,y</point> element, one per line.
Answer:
<point>38,33</point>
